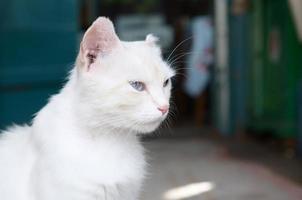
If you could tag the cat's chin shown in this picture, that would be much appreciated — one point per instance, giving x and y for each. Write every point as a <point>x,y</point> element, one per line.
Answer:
<point>148,127</point>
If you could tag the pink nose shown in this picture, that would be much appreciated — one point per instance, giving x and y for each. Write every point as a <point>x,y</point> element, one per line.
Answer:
<point>163,109</point>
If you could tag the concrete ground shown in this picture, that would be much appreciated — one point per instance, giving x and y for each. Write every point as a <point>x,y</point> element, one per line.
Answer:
<point>202,169</point>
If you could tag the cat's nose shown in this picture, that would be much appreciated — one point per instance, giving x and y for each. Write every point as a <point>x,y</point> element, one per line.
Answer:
<point>163,109</point>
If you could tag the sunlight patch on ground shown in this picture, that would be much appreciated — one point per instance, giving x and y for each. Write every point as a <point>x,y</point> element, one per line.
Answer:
<point>188,191</point>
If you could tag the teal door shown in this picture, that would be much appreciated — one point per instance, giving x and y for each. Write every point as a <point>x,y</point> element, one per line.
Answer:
<point>37,47</point>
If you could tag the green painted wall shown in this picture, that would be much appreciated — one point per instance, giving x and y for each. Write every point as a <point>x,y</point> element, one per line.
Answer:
<point>37,47</point>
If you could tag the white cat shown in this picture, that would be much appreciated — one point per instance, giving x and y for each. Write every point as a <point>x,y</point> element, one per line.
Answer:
<point>84,145</point>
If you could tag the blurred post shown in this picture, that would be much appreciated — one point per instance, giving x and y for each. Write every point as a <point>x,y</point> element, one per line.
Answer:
<point>300,119</point>
<point>239,62</point>
<point>221,71</point>
<point>296,6</point>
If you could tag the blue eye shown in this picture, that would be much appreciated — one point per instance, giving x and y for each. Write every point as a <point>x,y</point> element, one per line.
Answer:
<point>139,86</point>
<point>166,82</point>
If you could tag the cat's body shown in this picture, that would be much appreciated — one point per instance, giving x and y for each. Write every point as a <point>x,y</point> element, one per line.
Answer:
<point>86,167</point>
<point>84,145</point>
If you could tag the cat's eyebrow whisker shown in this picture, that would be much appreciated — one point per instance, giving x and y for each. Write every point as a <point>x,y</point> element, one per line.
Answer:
<point>184,53</point>
<point>178,60</point>
<point>179,46</point>
<point>176,65</point>
<point>179,70</point>
<point>190,52</point>
<point>181,55</point>
<point>182,74</point>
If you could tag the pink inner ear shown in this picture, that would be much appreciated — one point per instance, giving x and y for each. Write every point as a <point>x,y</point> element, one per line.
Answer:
<point>99,38</point>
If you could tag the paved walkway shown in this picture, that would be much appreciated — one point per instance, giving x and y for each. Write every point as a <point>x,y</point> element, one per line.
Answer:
<point>198,169</point>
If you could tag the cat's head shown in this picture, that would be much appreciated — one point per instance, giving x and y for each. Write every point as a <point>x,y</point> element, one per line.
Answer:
<point>122,85</point>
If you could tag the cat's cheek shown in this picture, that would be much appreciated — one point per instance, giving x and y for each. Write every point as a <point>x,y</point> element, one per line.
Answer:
<point>168,91</point>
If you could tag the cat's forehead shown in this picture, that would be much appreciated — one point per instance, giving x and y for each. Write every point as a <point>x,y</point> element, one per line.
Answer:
<point>146,60</point>
<point>142,48</point>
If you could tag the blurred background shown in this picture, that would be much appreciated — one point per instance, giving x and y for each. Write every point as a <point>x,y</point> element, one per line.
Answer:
<point>236,128</point>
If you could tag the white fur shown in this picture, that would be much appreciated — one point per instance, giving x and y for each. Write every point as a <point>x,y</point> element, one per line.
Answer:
<point>84,145</point>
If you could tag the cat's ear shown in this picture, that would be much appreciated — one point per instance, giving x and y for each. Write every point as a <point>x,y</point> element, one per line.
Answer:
<point>99,40</point>
<point>151,40</point>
